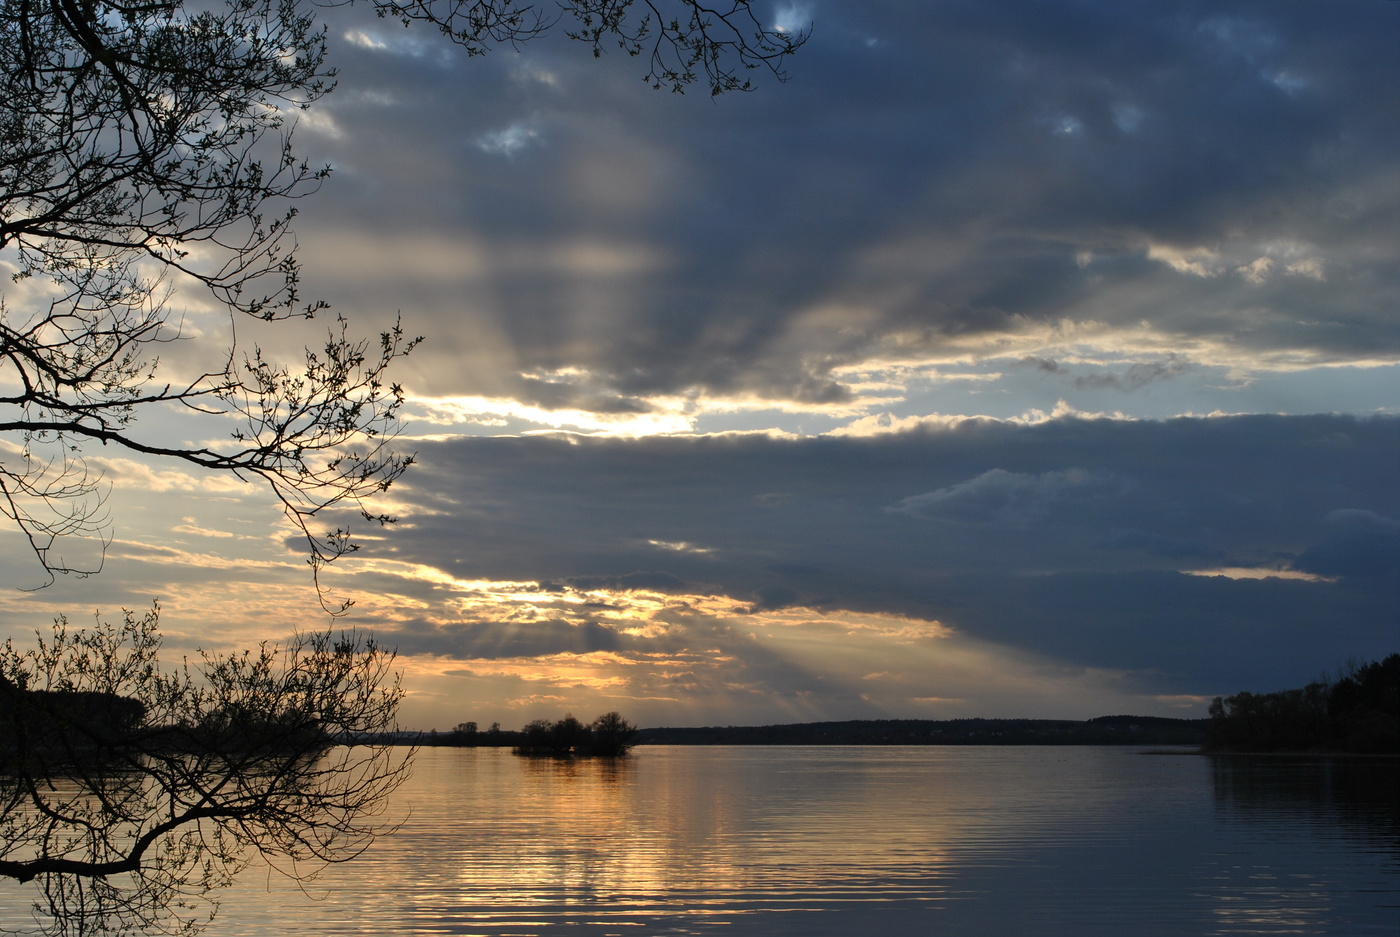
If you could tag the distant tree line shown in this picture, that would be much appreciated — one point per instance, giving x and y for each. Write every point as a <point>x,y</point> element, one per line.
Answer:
<point>1105,730</point>
<point>1357,712</point>
<point>469,735</point>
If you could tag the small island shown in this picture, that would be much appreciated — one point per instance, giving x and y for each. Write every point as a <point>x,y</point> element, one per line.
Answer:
<point>608,736</point>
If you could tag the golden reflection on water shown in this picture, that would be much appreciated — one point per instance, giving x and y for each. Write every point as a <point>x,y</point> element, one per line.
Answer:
<point>829,841</point>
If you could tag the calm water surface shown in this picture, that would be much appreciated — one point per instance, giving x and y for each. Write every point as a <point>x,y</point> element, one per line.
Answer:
<point>938,841</point>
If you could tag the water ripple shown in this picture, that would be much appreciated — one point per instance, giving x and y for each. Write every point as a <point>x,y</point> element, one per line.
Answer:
<point>834,841</point>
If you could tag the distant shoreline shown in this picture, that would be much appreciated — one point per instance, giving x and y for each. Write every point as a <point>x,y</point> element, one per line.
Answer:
<point>1143,731</point>
<point>1104,730</point>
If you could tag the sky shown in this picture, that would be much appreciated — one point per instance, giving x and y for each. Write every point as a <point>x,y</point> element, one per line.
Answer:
<point>1014,359</point>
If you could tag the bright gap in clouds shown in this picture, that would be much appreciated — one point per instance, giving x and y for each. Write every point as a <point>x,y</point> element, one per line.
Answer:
<point>511,652</point>
<point>792,19</point>
<point>1087,367</point>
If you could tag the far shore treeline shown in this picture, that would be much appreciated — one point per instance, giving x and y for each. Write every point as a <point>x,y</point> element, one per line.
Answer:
<point>1356,712</point>
<point>1105,730</point>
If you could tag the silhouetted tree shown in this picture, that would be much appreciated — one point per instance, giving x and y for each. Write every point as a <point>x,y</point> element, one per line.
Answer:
<point>1360,712</point>
<point>567,736</point>
<point>1364,707</point>
<point>536,738</point>
<point>611,735</point>
<point>145,146</point>
<point>129,790</point>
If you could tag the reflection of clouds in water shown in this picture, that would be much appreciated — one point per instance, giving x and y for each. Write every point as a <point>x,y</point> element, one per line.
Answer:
<point>827,842</point>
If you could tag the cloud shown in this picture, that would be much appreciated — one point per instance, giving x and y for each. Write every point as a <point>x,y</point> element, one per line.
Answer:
<point>320,121</point>
<point>792,18</point>
<point>650,581</point>
<point>1310,267</point>
<point>1160,545</point>
<point>1137,375</point>
<point>999,496</point>
<point>1081,529</point>
<point>1229,201</point>
<point>1358,543</point>
<point>364,40</point>
<point>760,332</point>
<point>374,40</point>
<point>493,640</point>
<point>1197,261</point>
<point>138,476</point>
<point>1257,271</point>
<point>508,140</point>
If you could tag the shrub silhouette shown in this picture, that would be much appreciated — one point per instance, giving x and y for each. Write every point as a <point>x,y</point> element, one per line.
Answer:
<point>608,736</point>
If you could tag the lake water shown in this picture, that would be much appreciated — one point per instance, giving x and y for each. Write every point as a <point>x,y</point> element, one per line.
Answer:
<point>943,841</point>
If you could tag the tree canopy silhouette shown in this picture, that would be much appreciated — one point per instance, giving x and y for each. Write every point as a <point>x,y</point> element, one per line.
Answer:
<point>145,148</point>
<point>129,790</point>
<point>609,735</point>
<point>1359,712</point>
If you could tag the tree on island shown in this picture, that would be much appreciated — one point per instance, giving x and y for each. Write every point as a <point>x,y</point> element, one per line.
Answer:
<point>146,148</point>
<point>609,736</point>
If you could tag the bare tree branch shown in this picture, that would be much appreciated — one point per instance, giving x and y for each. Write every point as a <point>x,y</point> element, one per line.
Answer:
<point>145,143</point>
<point>126,786</point>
